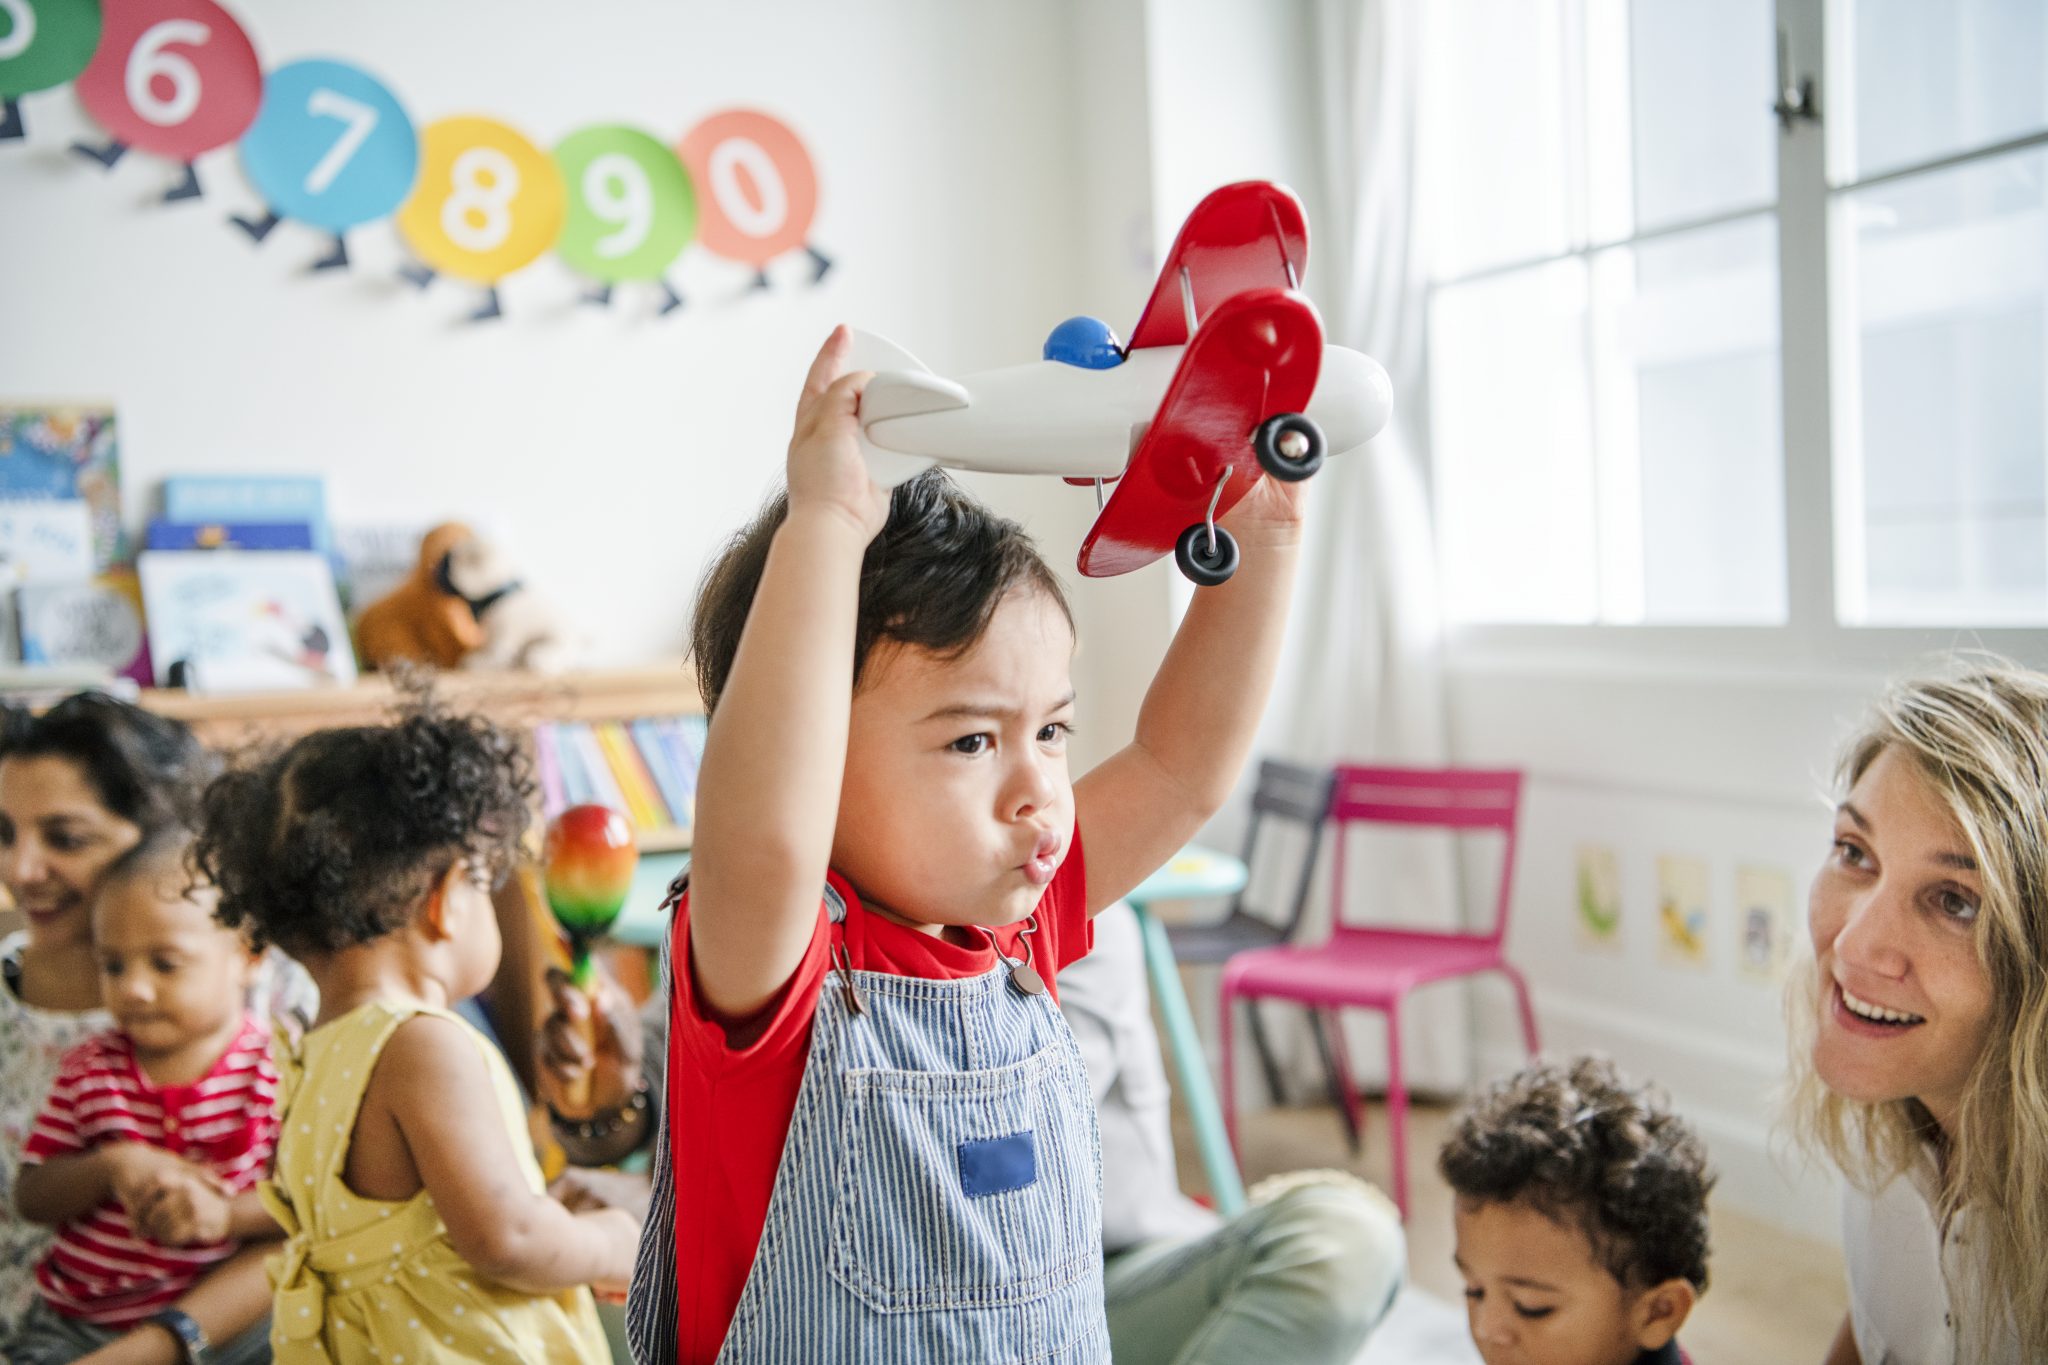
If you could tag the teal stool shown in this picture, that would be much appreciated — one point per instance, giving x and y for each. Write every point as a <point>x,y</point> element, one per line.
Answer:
<point>1195,873</point>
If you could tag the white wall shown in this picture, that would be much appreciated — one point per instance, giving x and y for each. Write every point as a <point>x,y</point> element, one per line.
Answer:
<point>611,449</point>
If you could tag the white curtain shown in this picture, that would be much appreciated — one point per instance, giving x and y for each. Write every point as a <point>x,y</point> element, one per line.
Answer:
<point>1362,680</point>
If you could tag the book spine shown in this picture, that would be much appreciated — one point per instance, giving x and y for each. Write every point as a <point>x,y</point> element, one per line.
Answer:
<point>553,798</point>
<point>604,788</point>
<point>675,794</point>
<point>642,801</point>
<point>576,787</point>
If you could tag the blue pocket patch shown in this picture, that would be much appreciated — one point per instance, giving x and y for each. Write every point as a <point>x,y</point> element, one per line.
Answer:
<point>999,1165</point>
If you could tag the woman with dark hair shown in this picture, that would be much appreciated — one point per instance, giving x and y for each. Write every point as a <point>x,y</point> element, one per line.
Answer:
<point>80,785</point>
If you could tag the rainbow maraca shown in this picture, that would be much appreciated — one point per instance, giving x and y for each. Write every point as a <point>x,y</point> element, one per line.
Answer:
<point>587,867</point>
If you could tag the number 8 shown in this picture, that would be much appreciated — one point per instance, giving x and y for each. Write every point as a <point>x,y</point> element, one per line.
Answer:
<point>485,181</point>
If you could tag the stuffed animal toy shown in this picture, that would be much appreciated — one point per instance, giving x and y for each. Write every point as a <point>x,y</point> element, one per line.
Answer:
<point>521,628</point>
<point>421,620</point>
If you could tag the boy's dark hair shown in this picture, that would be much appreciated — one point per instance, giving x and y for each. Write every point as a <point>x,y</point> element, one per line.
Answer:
<point>336,840</point>
<point>932,578</point>
<point>1577,1144</point>
<point>147,769</point>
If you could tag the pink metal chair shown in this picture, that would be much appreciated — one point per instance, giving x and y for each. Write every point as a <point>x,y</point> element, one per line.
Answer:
<point>1374,968</point>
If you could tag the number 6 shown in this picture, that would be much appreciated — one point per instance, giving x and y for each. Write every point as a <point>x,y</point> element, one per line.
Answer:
<point>149,60</point>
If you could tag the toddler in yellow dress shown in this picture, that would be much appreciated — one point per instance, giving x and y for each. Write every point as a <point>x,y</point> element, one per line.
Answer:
<point>418,1228</point>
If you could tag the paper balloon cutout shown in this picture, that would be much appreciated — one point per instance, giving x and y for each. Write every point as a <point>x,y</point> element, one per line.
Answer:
<point>756,188</point>
<point>632,208</point>
<point>487,202</point>
<point>173,77</point>
<point>331,147</point>
<point>43,43</point>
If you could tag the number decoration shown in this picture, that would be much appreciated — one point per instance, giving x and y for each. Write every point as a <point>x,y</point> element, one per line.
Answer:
<point>331,148</point>
<point>631,209</point>
<point>173,77</point>
<point>43,43</point>
<point>487,202</point>
<point>757,188</point>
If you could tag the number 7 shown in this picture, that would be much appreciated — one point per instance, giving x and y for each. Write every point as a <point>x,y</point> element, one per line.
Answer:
<point>360,117</point>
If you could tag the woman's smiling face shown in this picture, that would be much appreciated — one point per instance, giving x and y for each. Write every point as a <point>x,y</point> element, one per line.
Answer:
<point>1905,1003</point>
<point>56,838</point>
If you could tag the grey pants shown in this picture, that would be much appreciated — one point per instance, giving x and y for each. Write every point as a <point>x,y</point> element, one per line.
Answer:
<point>1302,1279</point>
<point>47,1337</point>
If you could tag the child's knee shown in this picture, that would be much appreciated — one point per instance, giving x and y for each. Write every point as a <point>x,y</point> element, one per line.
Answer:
<point>1339,1248</point>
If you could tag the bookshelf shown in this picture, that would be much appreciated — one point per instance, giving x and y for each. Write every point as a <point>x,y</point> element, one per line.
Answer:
<point>515,700</point>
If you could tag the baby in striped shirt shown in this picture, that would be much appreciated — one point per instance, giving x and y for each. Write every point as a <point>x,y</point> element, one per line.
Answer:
<point>155,1135</point>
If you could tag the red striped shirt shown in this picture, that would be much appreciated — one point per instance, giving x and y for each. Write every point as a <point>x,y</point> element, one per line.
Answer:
<point>101,1269</point>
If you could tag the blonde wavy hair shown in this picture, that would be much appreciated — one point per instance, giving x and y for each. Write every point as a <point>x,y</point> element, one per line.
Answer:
<point>1979,736</point>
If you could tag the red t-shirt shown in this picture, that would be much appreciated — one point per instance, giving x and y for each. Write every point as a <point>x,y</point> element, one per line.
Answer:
<point>729,1108</point>
<point>101,1270</point>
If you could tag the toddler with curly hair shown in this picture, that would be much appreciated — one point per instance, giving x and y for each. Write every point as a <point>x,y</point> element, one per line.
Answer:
<point>417,1224</point>
<point>1581,1218</point>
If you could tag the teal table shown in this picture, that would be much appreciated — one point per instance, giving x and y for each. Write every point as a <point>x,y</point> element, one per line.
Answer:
<point>1195,873</point>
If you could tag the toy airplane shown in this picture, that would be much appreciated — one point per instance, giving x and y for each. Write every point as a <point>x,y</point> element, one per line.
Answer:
<point>1226,376</point>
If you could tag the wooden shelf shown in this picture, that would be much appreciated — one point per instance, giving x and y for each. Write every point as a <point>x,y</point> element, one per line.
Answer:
<point>512,699</point>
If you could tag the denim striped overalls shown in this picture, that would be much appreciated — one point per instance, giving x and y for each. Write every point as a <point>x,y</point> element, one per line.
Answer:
<point>940,1193</point>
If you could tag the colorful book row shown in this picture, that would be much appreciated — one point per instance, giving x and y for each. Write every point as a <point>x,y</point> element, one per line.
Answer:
<point>646,768</point>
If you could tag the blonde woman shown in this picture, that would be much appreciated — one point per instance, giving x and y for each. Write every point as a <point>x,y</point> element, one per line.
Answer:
<point>1920,1065</point>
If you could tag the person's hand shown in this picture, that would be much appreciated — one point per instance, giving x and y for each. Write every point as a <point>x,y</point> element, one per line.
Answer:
<point>567,1055</point>
<point>138,1171</point>
<point>1271,514</point>
<point>184,1210</point>
<point>584,1190</point>
<point>825,465</point>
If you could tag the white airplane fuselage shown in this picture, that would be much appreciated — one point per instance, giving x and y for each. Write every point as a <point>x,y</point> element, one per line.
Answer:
<point>1048,417</point>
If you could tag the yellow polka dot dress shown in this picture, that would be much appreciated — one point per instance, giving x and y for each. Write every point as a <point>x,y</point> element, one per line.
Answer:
<point>365,1280</point>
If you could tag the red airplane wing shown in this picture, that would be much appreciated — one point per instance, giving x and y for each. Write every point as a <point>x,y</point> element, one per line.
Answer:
<point>1255,356</point>
<point>1243,236</point>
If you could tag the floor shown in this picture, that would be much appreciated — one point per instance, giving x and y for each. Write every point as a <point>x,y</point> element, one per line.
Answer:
<point>1773,1296</point>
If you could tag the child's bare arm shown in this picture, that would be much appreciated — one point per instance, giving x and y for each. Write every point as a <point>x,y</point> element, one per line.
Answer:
<point>229,1300</point>
<point>1202,711</point>
<point>56,1191</point>
<point>439,1092</point>
<point>768,787</point>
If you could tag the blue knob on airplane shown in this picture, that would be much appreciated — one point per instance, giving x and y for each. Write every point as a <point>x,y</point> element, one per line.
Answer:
<point>1089,343</point>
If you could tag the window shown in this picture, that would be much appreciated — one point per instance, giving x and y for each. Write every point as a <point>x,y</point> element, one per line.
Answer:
<point>1610,221</point>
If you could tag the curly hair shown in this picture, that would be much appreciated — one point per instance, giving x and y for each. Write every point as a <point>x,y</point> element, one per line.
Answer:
<point>147,769</point>
<point>338,839</point>
<point>1576,1143</point>
<point>932,578</point>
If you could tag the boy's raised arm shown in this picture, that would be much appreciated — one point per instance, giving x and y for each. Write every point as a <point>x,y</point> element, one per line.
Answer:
<point>768,786</point>
<point>1195,729</point>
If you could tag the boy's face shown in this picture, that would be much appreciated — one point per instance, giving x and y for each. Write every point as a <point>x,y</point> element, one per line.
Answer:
<point>957,807</point>
<point>169,973</point>
<point>1535,1295</point>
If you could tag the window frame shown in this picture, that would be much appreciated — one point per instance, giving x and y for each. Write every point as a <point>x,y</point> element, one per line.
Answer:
<point>1814,256</point>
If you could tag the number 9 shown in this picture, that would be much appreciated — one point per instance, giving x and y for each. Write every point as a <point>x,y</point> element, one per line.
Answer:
<point>632,208</point>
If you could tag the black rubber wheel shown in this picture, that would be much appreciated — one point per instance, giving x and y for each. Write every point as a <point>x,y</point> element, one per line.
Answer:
<point>1203,569</point>
<point>1290,446</point>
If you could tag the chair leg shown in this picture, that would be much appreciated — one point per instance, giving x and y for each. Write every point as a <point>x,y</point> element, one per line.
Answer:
<point>1226,1013</point>
<point>1267,1062</point>
<point>1529,1039</point>
<point>1397,1110</point>
<point>1319,1026</point>
<point>1330,1025</point>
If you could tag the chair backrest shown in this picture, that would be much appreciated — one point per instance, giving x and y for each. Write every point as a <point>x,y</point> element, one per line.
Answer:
<point>1457,799</point>
<point>1289,791</point>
